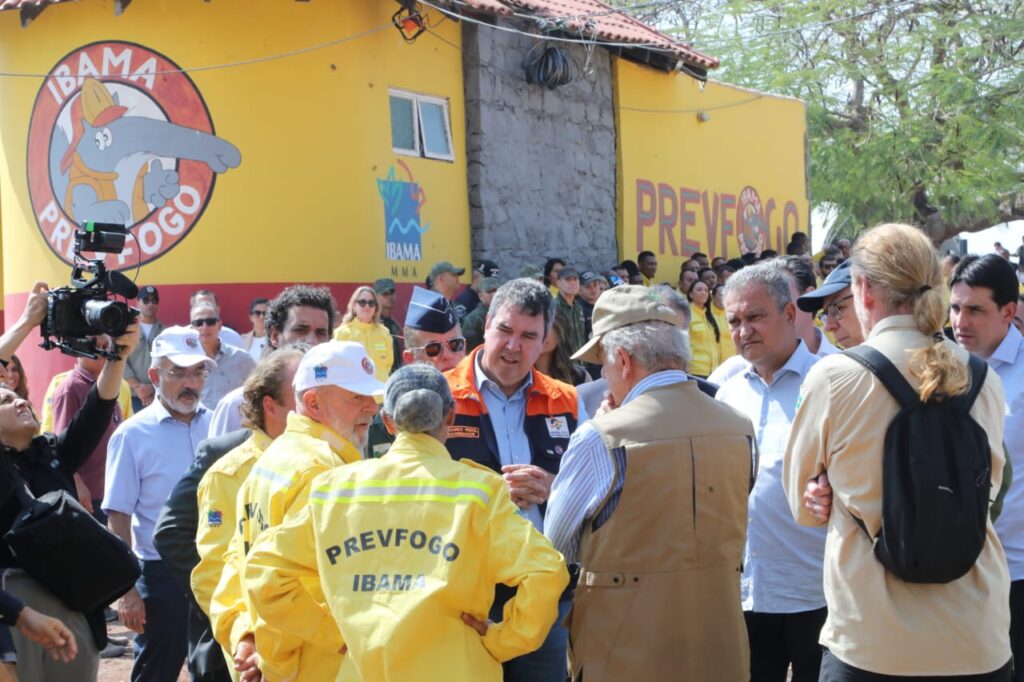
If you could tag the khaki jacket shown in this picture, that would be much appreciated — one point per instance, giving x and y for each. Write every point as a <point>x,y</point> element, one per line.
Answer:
<point>659,590</point>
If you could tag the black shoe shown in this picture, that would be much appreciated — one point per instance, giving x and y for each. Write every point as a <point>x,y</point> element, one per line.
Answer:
<point>113,651</point>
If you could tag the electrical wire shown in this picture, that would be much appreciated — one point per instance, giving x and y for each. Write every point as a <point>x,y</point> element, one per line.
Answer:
<point>550,67</point>
<point>226,65</point>
<point>510,74</point>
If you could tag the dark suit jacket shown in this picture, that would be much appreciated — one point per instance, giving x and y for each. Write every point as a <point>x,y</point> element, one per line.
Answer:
<point>175,540</point>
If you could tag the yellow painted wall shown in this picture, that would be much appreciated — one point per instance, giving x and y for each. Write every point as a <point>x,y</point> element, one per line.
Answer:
<point>313,131</point>
<point>682,180</point>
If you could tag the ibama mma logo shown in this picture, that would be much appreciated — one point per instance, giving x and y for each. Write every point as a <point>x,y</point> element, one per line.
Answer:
<point>403,227</point>
<point>119,134</point>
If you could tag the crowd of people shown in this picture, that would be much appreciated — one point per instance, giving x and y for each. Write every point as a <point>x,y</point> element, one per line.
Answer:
<point>572,474</point>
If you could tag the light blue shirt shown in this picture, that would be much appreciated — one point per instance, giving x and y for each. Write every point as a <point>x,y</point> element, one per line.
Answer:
<point>783,562</point>
<point>587,475</point>
<point>1008,362</point>
<point>146,457</point>
<point>508,417</point>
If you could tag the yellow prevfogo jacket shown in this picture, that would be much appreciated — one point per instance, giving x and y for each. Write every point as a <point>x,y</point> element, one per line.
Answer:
<point>218,496</point>
<point>375,338</point>
<point>278,483</point>
<point>403,545</point>
<point>726,348</point>
<point>703,346</point>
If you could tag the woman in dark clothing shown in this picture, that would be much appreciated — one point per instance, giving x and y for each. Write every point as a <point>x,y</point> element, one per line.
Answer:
<point>47,463</point>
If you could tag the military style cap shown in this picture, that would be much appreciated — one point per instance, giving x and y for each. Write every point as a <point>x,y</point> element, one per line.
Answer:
<point>429,311</point>
<point>836,281</point>
<point>443,267</point>
<point>384,285</point>
<point>589,276</point>
<point>621,307</point>
<point>489,284</point>
<point>531,272</point>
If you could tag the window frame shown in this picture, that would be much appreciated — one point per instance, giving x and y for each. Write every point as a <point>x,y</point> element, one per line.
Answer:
<point>417,100</point>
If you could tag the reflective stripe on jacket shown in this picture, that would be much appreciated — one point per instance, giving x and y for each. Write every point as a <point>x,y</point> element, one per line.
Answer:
<point>402,546</point>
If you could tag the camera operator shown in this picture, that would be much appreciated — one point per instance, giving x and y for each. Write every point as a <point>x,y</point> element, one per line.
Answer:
<point>48,463</point>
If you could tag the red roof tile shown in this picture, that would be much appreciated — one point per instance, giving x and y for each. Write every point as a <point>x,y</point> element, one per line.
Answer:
<point>578,18</point>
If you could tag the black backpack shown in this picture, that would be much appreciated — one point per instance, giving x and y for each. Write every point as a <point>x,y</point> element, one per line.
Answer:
<point>936,479</point>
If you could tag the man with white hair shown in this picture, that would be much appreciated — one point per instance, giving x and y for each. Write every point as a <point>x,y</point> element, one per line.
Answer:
<point>146,457</point>
<point>783,599</point>
<point>651,500</point>
<point>334,405</point>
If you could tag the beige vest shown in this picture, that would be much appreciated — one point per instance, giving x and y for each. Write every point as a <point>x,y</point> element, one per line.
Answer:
<point>659,592</point>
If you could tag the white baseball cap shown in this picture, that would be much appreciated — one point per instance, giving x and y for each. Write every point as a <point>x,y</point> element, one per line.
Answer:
<point>181,346</point>
<point>338,363</point>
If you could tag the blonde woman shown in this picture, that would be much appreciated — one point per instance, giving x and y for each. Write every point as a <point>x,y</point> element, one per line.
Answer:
<point>362,324</point>
<point>878,626</point>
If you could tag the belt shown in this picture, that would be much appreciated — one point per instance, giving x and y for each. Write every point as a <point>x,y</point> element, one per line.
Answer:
<point>609,579</point>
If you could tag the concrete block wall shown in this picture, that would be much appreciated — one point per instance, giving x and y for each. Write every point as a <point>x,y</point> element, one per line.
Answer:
<point>541,162</point>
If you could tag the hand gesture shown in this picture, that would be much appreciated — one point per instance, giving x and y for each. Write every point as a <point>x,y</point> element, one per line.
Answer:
<point>35,307</point>
<point>127,342</point>
<point>818,497</point>
<point>528,484</point>
<point>50,632</point>
<point>132,611</point>
<point>247,660</point>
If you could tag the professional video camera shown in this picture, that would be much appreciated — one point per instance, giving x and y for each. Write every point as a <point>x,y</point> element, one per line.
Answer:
<point>83,310</point>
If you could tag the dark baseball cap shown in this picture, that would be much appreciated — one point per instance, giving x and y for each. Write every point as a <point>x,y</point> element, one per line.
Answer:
<point>487,268</point>
<point>567,272</point>
<point>443,267</point>
<point>589,276</point>
<point>149,291</point>
<point>836,281</point>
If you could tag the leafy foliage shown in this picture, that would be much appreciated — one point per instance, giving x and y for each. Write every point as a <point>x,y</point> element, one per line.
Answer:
<point>915,108</point>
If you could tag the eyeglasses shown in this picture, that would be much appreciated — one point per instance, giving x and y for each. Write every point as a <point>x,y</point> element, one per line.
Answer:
<point>833,311</point>
<point>150,299</point>
<point>258,313</point>
<point>433,348</point>
<point>366,302</point>
<point>179,374</point>
<point>207,321</point>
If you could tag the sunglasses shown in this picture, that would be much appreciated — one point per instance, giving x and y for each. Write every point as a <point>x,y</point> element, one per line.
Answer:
<point>366,302</point>
<point>207,321</point>
<point>150,299</point>
<point>433,348</point>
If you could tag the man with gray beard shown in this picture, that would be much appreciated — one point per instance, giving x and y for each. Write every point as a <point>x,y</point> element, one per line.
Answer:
<point>146,457</point>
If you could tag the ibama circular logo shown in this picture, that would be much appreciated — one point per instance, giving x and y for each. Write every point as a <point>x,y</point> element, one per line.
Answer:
<point>119,134</point>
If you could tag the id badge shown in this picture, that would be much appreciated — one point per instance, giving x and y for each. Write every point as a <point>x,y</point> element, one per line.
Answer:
<point>558,427</point>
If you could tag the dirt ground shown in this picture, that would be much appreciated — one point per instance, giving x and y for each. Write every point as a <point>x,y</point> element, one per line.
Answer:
<point>120,669</point>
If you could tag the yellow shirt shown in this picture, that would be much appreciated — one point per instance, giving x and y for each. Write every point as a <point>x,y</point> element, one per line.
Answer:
<point>375,338</point>
<point>877,622</point>
<point>124,399</point>
<point>703,346</point>
<point>402,546</point>
<point>217,496</point>
<point>278,483</point>
<point>726,349</point>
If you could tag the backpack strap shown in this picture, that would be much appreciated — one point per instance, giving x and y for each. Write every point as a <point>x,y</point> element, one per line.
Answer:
<point>887,373</point>
<point>979,370</point>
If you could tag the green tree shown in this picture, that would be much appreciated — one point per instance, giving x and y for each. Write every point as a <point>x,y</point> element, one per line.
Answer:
<point>915,108</point>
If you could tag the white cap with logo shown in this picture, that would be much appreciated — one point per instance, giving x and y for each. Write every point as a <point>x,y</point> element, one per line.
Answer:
<point>181,346</point>
<point>338,363</point>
